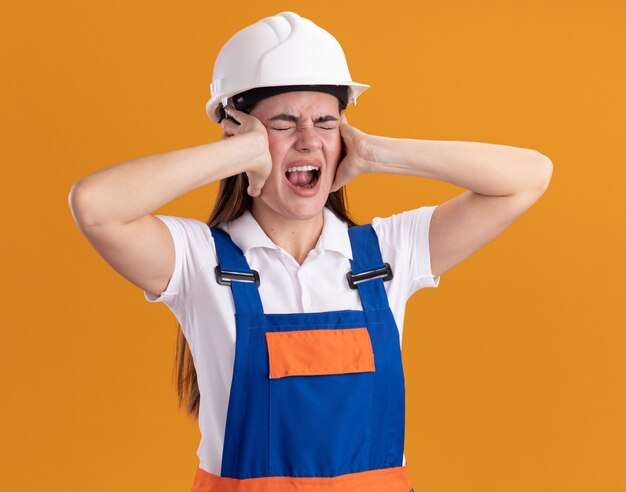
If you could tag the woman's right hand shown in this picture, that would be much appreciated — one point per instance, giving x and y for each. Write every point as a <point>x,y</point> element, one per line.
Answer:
<point>261,167</point>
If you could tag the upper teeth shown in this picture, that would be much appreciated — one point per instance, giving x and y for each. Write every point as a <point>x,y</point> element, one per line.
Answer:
<point>303,168</point>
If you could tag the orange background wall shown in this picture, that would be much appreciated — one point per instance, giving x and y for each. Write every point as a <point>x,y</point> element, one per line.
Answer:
<point>515,364</point>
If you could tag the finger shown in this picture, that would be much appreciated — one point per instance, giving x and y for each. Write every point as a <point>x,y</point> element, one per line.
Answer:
<point>229,126</point>
<point>230,108</point>
<point>254,190</point>
<point>226,123</point>
<point>344,127</point>
<point>255,185</point>
<point>339,180</point>
<point>235,113</point>
<point>335,186</point>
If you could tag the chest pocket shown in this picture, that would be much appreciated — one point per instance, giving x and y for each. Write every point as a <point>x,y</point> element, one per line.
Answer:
<point>319,352</point>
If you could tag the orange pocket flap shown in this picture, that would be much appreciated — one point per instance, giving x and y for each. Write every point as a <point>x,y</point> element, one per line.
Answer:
<point>315,352</point>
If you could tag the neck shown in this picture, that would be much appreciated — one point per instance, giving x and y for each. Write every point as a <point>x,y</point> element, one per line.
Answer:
<point>296,236</point>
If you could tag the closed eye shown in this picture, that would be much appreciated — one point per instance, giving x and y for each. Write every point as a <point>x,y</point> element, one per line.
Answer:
<point>290,128</point>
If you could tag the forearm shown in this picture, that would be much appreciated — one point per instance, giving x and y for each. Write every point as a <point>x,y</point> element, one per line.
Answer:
<point>124,192</point>
<point>488,169</point>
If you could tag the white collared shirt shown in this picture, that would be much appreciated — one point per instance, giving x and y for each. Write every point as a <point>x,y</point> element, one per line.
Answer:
<point>205,309</point>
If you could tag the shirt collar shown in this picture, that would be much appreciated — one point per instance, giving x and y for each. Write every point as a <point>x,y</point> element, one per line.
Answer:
<point>246,233</point>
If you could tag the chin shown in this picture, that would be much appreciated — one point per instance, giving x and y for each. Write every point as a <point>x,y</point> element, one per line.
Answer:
<point>284,200</point>
<point>304,212</point>
<point>299,209</point>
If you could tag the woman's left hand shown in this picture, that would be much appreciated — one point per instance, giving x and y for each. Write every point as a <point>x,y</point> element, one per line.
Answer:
<point>359,154</point>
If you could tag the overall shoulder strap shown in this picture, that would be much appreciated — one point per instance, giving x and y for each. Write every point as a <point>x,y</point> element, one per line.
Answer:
<point>368,269</point>
<point>233,270</point>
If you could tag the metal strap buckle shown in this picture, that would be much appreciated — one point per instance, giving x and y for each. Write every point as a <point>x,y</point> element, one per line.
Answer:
<point>386,273</point>
<point>225,278</point>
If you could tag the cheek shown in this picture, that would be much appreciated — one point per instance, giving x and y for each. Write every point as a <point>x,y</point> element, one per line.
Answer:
<point>278,150</point>
<point>335,140</point>
<point>335,150</point>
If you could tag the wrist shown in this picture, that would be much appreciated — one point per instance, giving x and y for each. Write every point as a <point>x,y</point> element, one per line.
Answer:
<point>259,147</point>
<point>377,154</point>
<point>240,152</point>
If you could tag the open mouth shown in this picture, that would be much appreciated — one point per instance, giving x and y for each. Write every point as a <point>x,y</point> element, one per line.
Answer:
<point>305,177</point>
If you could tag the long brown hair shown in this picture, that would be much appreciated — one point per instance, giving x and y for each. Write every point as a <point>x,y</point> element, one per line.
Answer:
<point>232,202</point>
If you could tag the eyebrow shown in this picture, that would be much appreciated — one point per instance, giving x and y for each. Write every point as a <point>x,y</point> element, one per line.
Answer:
<point>290,117</point>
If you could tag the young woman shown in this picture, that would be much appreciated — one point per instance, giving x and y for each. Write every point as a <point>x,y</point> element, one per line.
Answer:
<point>292,313</point>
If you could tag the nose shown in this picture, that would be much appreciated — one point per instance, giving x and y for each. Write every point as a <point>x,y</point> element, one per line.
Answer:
<point>308,139</point>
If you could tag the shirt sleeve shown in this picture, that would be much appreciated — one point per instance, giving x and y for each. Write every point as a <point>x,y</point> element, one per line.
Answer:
<point>409,232</point>
<point>192,245</point>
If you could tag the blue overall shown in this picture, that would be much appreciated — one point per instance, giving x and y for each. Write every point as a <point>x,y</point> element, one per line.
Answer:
<point>313,425</point>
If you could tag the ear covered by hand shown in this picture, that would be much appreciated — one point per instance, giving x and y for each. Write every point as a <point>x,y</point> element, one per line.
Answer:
<point>357,156</point>
<point>238,123</point>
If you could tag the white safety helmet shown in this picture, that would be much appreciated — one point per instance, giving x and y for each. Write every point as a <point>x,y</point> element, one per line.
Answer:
<point>283,51</point>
